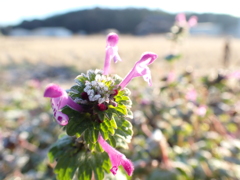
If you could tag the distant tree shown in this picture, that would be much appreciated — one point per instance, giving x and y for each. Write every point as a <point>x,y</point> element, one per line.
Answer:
<point>130,20</point>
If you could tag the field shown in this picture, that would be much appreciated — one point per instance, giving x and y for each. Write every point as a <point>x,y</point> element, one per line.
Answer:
<point>28,64</point>
<point>203,54</point>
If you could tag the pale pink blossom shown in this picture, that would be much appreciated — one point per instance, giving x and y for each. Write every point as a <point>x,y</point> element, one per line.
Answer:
<point>234,75</point>
<point>111,52</point>
<point>116,157</point>
<point>140,69</point>
<point>201,110</point>
<point>171,76</point>
<point>181,20</point>
<point>59,99</point>
<point>191,95</point>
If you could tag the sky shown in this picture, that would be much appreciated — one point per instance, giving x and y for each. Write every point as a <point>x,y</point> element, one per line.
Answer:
<point>15,11</point>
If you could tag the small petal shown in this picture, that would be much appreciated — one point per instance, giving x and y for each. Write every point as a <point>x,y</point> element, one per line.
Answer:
<point>53,91</point>
<point>140,69</point>
<point>61,118</point>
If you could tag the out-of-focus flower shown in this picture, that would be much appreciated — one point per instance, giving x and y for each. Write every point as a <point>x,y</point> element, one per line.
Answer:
<point>181,20</point>
<point>171,76</point>
<point>191,95</point>
<point>201,110</point>
<point>234,75</point>
<point>59,99</point>
<point>116,158</point>
<point>111,52</point>
<point>140,69</point>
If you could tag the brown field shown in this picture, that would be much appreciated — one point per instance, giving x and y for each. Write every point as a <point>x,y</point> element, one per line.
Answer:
<point>203,54</point>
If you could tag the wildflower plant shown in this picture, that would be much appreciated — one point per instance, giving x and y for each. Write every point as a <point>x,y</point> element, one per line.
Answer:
<point>95,114</point>
<point>178,32</point>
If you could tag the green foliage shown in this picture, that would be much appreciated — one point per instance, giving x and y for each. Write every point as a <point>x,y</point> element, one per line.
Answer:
<point>73,161</point>
<point>173,57</point>
<point>79,155</point>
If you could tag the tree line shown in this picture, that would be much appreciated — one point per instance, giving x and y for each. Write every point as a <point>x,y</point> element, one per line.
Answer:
<point>124,20</point>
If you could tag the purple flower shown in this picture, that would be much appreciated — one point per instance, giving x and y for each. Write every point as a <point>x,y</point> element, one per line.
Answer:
<point>116,158</point>
<point>111,52</point>
<point>59,99</point>
<point>140,69</point>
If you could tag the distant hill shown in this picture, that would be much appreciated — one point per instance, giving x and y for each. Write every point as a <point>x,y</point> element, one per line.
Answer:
<point>130,20</point>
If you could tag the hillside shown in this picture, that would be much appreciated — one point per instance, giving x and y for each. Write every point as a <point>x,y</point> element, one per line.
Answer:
<point>131,21</point>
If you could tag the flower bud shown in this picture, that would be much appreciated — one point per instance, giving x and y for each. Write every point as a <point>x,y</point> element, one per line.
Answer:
<point>84,96</point>
<point>114,103</point>
<point>115,92</point>
<point>102,107</point>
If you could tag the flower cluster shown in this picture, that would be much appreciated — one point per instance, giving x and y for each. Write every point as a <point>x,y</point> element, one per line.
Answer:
<point>96,107</point>
<point>181,27</point>
<point>95,88</point>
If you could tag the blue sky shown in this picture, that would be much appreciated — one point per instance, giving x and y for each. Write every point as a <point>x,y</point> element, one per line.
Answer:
<point>14,11</point>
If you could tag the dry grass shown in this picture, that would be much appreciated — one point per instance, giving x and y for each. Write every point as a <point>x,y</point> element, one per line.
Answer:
<point>204,54</point>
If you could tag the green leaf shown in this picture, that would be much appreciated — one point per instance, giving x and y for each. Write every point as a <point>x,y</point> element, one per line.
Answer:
<point>98,147</point>
<point>84,169</point>
<point>101,116</point>
<point>96,161</point>
<point>104,126</point>
<point>66,166</point>
<point>109,114</point>
<point>130,114</point>
<point>108,124</point>
<point>113,123</point>
<point>104,134</point>
<point>124,129</point>
<point>78,126</point>
<point>112,141</point>
<point>81,78</point>
<point>59,147</point>
<point>76,161</point>
<point>122,109</point>
<point>94,135</point>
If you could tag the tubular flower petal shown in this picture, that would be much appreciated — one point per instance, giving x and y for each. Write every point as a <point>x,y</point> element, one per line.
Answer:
<point>116,158</point>
<point>140,69</point>
<point>59,99</point>
<point>181,19</point>
<point>111,52</point>
<point>192,21</point>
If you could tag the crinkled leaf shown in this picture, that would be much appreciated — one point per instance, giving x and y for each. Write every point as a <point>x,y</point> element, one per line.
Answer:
<point>79,125</point>
<point>74,162</point>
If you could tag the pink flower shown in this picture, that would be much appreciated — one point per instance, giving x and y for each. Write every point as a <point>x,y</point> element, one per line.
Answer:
<point>181,20</point>
<point>234,75</point>
<point>191,95</point>
<point>140,69</point>
<point>201,110</point>
<point>111,52</point>
<point>171,76</point>
<point>116,158</point>
<point>59,99</point>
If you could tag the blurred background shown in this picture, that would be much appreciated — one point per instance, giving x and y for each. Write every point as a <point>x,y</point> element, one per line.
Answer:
<point>186,126</point>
